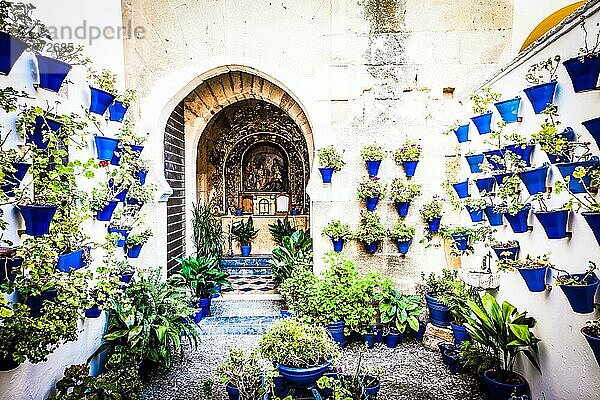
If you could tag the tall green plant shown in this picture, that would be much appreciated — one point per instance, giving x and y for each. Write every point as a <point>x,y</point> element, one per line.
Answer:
<point>207,232</point>
<point>244,232</point>
<point>281,229</point>
<point>294,253</point>
<point>202,275</point>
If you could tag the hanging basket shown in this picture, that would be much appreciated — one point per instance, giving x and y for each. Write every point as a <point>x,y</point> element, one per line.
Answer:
<point>11,48</point>
<point>105,147</point>
<point>509,109</point>
<point>535,179</point>
<point>483,123</point>
<point>554,223</point>
<point>584,75</point>
<point>541,95</point>
<point>52,72</point>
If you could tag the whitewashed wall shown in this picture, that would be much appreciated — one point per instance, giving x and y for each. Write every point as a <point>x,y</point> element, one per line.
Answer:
<point>568,365</point>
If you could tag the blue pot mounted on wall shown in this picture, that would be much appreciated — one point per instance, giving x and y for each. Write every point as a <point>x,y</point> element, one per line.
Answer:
<point>434,225</point>
<point>594,343</point>
<point>106,213</point>
<point>462,189</point>
<point>575,185</point>
<point>134,251</point>
<point>581,297</point>
<point>403,246</point>
<point>13,179</point>
<point>518,222</point>
<point>535,179</point>
<point>535,278</point>
<point>491,158</point>
<point>474,162</point>
<point>483,123</point>
<point>123,233</point>
<point>93,312</point>
<point>142,174</point>
<point>509,109</point>
<point>522,151</point>
<point>371,248</point>
<point>246,250</point>
<point>71,261</point>
<point>462,133</point>
<point>554,223</point>
<point>402,208</point>
<point>485,185</point>
<point>500,178</point>
<point>52,72</point>
<point>371,203</point>
<point>42,125</point>
<point>438,311</point>
<point>373,167</point>
<point>35,303</point>
<point>326,174</point>
<point>593,220</point>
<point>476,215</point>
<point>410,167</point>
<point>338,245</point>
<point>135,150</point>
<point>584,75</point>
<point>541,95</point>
<point>507,253</point>
<point>105,147</point>
<point>100,100</point>
<point>593,127</point>
<point>37,219</point>
<point>494,218</point>
<point>117,111</point>
<point>461,242</point>
<point>11,48</point>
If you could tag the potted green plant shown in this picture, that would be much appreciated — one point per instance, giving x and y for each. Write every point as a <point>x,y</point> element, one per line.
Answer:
<point>409,155</point>
<point>402,235</point>
<point>439,289</point>
<point>580,289</point>
<point>373,155</point>
<point>119,107</point>
<point>103,202</point>
<point>506,250</point>
<point>558,146</point>
<point>585,68</point>
<point>402,193</point>
<point>371,190</point>
<point>370,231</point>
<point>134,243</point>
<point>244,233</point>
<point>460,235</point>
<point>481,107</point>
<point>591,332</point>
<point>432,213</point>
<point>130,144</point>
<point>338,232</point>
<point>542,78</point>
<point>398,311</point>
<point>281,228</point>
<point>244,375</point>
<point>103,92</point>
<point>330,161</point>
<point>532,269</point>
<point>476,208</point>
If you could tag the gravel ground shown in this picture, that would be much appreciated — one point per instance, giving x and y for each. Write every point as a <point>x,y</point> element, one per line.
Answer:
<point>412,372</point>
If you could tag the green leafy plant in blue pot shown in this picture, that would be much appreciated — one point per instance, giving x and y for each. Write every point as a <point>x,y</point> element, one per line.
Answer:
<point>402,193</point>
<point>398,312</point>
<point>370,231</point>
<point>330,161</point>
<point>373,154</point>
<point>585,68</point>
<point>432,213</point>
<point>481,107</point>
<point>408,156</point>
<point>542,78</point>
<point>244,233</point>
<point>339,233</point>
<point>533,270</point>
<point>591,332</point>
<point>580,289</point>
<point>402,235</point>
<point>371,190</point>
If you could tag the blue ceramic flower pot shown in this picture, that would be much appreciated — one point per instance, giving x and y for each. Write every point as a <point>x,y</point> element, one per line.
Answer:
<point>518,222</point>
<point>444,347</point>
<point>35,303</point>
<point>126,277</point>
<point>403,246</point>
<point>93,312</point>
<point>402,208</point>
<point>326,174</point>
<point>37,136</point>
<point>117,111</point>
<point>460,334</point>
<point>232,392</point>
<point>522,151</point>
<point>123,235</point>
<point>37,219</point>
<point>581,297</point>
<point>496,390</point>
<point>462,133</point>
<point>373,167</point>
<point>541,95</point>
<point>134,251</point>
<point>392,340</point>
<point>593,220</point>
<point>371,203</point>
<point>509,109</point>
<point>303,377</point>
<point>410,167</point>
<point>535,179</point>
<point>338,245</point>
<point>584,75</point>
<point>462,189</point>
<point>476,215</point>
<point>122,195</point>
<point>100,100</point>
<point>204,306</point>
<point>485,185</point>
<point>434,225</point>
<point>13,179</point>
<point>594,343</point>
<point>336,330</point>
<point>593,127</point>
<point>105,147</point>
<point>575,185</point>
<point>461,242</point>
<point>500,178</point>
<point>453,360</point>
<point>494,218</point>
<point>535,278</point>
<point>239,213</point>
<point>378,335</point>
<point>116,158</point>
<point>421,331</point>
<point>554,223</point>
<point>142,174</point>
<point>106,213</point>
<point>438,311</point>
<point>71,261</point>
<point>474,162</point>
<point>483,123</point>
<point>369,339</point>
<point>52,72</point>
<point>11,49</point>
<point>508,253</point>
<point>494,163</point>
<point>246,250</point>
<point>371,248</point>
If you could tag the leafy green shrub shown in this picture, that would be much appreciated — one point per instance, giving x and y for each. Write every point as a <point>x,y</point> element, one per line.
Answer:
<point>244,371</point>
<point>207,232</point>
<point>295,252</point>
<point>403,191</point>
<point>371,187</point>
<point>481,101</point>
<point>244,232</point>
<point>372,152</point>
<point>432,210</point>
<point>410,151</point>
<point>201,275</point>
<point>397,309</point>
<point>402,232</point>
<point>281,229</point>
<point>330,158</point>
<point>337,230</point>
<point>370,228</point>
<point>139,238</point>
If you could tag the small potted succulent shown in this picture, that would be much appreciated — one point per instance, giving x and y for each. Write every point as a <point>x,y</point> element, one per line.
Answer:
<point>370,231</point>
<point>244,233</point>
<point>134,243</point>
<point>402,235</point>
<point>371,190</point>
<point>402,193</point>
<point>591,332</point>
<point>585,68</point>
<point>432,214</point>
<point>580,289</point>
<point>481,107</point>
<point>338,232</point>
<point>408,156</point>
<point>373,155</point>
<point>542,78</point>
<point>330,161</point>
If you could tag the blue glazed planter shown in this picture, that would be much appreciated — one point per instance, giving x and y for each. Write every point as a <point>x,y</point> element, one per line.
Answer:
<point>410,167</point>
<point>594,343</point>
<point>105,147</point>
<point>134,251</point>
<point>100,100</point>
<point>302,377</point>
<point>142,175</point>
<point>494,218</point>
<point>93,312</point>
<point>567,169</point>
<point>460,334</point>
<point>462,189</point>
<point>581,298</point>
<point>37,136</point>
<point>509,109</point>
<point>444,347</point>
<point>541,95</point>
<point>402,208</point>
<point>502,391</point>
<point>326,174</point>
<point>518,222</point>
<point>593,127</point>
<point>403,246</point>
<point>522,151</point>
<point>71,261</point>
<point>116,158</point>
<point>37,219</point>
<point>474,162</point>
<point>461,241</point>
<point>371,203</point>
<point>584,75</point>
<point>233,393</point>
<point>421,331</point>
<point>369,339</point>
<point>462,133</point>
<point>239,212</point>
<point>336,330</point>
<point>11,49</point>
<point>500,178</point>
<point>123,235</point>
<point>434,225</point>
<point>476,215</point>
<point>378,335</point>
<point>106,213</point>
<point>535,179</point>
<point>483,123</point>
<point>509,253</point>
<point>14,179</point>
<point>392,340</point>
<point>122,195</point>
<point>246,250</point>
<point>126,277</point>
<point>371,248</point>
<point>535,278</point>
<point>52,72</point>
<point>554,223</point>
<point>490,155</point>
<point>373,167</point>
<point>485,185</point>
<point>453,360</point>
<point>117,111</point>
<point>593,220</point>
<point>35,303</point>
<point>204,306</point>
<point>438,311</point>
<point>338,245</point>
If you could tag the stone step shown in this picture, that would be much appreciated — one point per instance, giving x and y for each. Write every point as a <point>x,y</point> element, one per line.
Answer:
<point>246,325</point>
<point>260,305</point>
<point>256,265</point>
<point>251,284</point>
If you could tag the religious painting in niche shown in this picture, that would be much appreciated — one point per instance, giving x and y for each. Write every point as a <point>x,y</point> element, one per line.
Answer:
<point>265,169</point>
